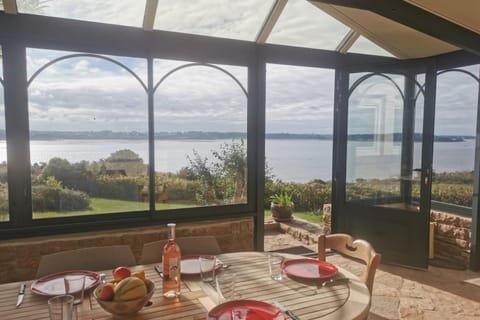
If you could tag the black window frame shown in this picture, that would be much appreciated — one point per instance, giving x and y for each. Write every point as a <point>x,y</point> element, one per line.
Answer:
<point>17,32</point>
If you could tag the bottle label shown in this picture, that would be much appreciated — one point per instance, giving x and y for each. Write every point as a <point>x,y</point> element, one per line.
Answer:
<point>174,266</point>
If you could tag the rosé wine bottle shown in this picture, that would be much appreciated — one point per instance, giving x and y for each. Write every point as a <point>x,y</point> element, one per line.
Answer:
<point>171,266</point>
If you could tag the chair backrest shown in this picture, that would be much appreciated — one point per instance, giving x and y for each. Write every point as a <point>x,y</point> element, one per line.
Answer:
<point>358,249</point>
<point>93,258</point>
<point>152,251</point>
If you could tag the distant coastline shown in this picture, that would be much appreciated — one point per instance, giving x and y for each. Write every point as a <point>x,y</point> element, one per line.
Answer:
<point>214,135</point>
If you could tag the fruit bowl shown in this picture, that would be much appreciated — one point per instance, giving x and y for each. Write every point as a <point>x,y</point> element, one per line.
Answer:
<point>128,307</point>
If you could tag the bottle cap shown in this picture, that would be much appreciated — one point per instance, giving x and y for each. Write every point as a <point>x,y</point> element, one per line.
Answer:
<point>171,225</point>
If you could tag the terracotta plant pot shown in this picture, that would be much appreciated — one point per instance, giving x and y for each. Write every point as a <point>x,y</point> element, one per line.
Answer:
<point>281,213</point>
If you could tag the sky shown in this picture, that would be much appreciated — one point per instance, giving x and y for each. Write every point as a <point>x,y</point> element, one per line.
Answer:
<point>86,93</point>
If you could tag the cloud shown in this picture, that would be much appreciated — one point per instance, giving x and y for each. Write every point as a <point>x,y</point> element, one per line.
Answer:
<point>123,12</point>
<point>302,24</point>
<point>90,93</point>
<point>299,99</point>
<point>457,98</point>
<point>218,18</point>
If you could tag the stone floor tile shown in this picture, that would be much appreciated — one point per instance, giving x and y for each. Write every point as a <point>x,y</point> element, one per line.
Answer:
<point>401,293</point>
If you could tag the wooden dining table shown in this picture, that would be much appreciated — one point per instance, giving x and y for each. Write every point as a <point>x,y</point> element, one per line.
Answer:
<point>307,299</point>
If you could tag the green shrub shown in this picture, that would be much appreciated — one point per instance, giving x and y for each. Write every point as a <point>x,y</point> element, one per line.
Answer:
<point>447,191</point>
<point>74,176</point>
<point>3,172</point>
<point>47,198</point>
<point>306,196</point>
<point>4,209</point>
<point>459,194</point>
<point>72,200</point>
<point>458,177</point>
<point>177,188</point>
<point>113,187</point>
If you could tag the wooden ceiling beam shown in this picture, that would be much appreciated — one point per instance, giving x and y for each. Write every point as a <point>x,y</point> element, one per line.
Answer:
<point>418,19</point>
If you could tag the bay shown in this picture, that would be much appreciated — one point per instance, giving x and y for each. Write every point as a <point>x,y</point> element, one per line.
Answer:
<point>296,160</point>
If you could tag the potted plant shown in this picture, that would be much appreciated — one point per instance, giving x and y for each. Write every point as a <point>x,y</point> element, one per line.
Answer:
<point>282,207</point>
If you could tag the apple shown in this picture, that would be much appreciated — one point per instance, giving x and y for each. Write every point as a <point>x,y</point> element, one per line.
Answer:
<point>121,273</point>
<point>105,292</point>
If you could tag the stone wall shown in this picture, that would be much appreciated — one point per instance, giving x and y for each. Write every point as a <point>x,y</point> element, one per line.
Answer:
<point>451,238</point>
<point>19,258</point>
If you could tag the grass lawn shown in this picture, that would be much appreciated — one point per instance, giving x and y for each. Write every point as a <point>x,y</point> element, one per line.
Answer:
<point>102,205</point>
<point>307,215</point>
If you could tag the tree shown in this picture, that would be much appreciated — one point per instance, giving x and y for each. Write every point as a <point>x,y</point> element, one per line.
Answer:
<point>232,167</point>
<point>223,178</point>
<point>73,176</point>
<point>200,169</point>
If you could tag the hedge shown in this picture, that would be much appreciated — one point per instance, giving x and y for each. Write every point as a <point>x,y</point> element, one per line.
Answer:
<point>46,198</point>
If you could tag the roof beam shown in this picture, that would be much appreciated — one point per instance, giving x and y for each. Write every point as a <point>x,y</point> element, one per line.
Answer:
<point>102,38</point>
<point>347,41</point>
<point>270,21</point>
<point>418,19</point>
<point>10,6</point>
<point>149,15</point>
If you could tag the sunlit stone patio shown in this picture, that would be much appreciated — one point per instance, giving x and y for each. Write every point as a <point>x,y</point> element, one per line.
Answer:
<point>399,292</point>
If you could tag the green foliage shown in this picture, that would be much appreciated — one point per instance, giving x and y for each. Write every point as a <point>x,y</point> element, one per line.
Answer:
<point>202,171</point>
<point>306,196</point>
<point>116,187</point>
<point>454,188</point>
<point>231,170</point>
<point>72,200</point>
<point>73,176</point>
<point>177,188</point>
<point>282,200</point>
<point>220,179</point>
<point>47,198</point>
<point>374,188</point>
<point>4,210</point>
<point>458,177</point>
<point>224,178</point>
<point>459,194</point>
<point>3,172</point>
<point>53,183</point>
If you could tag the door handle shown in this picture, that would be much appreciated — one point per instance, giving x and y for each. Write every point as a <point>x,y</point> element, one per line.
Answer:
<point>426,173</point>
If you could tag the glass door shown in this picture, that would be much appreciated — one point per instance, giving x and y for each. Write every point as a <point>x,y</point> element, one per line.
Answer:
<point>387,167</point>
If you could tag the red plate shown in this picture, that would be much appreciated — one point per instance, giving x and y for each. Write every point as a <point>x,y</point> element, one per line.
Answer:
<point>189,265</point>
<point>245,309</point>
<point>309,269</point>
<point>53,284</point>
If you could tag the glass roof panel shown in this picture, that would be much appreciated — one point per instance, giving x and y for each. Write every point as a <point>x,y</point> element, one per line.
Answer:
<point>122,12</point>
<point>1,5</point>
<point>302,24</point>
<point>365,46</point>
<point>217,18</point>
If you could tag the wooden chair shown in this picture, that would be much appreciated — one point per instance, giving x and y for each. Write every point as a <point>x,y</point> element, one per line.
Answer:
<point>152,251</point>
<point>94,258</point>
<point>358,249</point>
